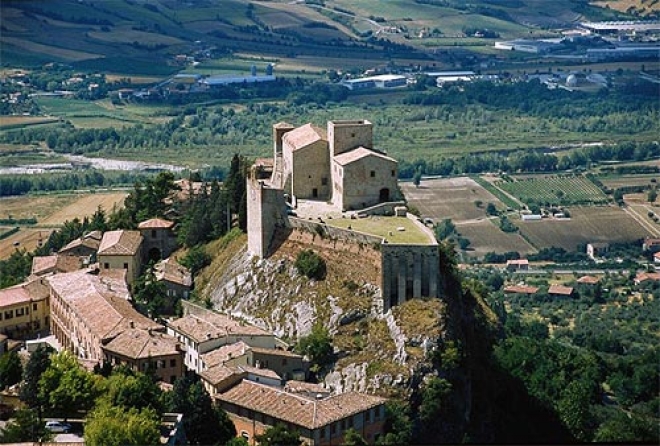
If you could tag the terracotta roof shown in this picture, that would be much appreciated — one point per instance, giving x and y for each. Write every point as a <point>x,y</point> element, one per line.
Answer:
<point>96,235</point>
<point>591,280</point>
<point>293,386</point>
<point>156,223</point>
<point>283,125</point>
<point>309,413</point>
<point>276,352</point>
<point>88,242</point>
<point>219,373</point>
<point>140,344</point>
<point>100,302</point>
<point>303,136</point>
<point>23,293</point>
<point>357,154</point>
<point>54,264</point>
<point>226,352</point>
<point>120,243</point>
<point>561,290</point>
<point>213,326</point>
<point>170,271</point>
<point>267,373</point>
<point>521,289</point>
<point>644,276</point>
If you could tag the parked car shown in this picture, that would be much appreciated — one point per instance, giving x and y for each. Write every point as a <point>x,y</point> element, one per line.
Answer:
<point>58,427</point>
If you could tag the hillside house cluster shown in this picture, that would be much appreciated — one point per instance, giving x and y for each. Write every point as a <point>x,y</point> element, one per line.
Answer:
<point>82,296</point>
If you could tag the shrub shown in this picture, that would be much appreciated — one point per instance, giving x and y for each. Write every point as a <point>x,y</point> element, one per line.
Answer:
<point>311,264</point>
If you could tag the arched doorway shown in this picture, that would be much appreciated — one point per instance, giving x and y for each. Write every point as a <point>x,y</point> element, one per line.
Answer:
<point>384,195</point>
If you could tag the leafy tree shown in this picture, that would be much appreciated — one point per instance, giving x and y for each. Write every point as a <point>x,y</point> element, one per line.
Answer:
<point>117,426</point>
<point>628,428</point>
<point>398,424</point>
<point>317,346</point>
<point>417,178</point>
<point>311,264</point>
<point>15,269</point>
<point>444,229</point>
<point>129,389</point>
<point>237,441</point>
<point>491,209</point>
<point>26,426</point>
<point>652,195</point>
<point>11,369</point>
<point>204,423</point>
<point>278,435</point>
<point>37,364</point>
<point>195,259</point>
<point>66,387</point>
<point>353,438</point>
<point>150,293</point>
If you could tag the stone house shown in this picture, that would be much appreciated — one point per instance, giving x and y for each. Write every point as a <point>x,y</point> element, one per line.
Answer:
<point>320,420</point>
<point>53,264</point>
<point>338,164</point>
<point>176,278</point>
<point>143,350</point>
<point>88,310</point>
<point>85,246</point>
<point>24,309</point>
<point>121,250</point>
<point>159,240</point>
<point>204,332</point>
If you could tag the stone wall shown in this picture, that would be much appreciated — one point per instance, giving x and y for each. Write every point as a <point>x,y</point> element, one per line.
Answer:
<point>333,233</point>
<point>381,209</point>
<point>266,210</point>
<point>408,271</point>
<point>346,135</point>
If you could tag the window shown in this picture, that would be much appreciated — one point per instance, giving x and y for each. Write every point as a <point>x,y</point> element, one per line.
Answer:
<point>324,181</point>
<point>172,362</point>
<point>352,135</point>
<point>9,314</point>
<point>393,172</point>
<point>20,312</point>
<point>245,435</point>
<point>373,173</point>
<point>125,265</point>
<point>106,266</point>
<point>0,316</point>
<point>153,233</point>
<point>34,307</point>
<point>27,310</point>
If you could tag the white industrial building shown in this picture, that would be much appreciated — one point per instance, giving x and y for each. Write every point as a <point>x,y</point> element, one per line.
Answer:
<point>381,81</point>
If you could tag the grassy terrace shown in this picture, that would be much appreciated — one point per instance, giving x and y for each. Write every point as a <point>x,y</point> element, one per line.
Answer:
<point>384,226</point>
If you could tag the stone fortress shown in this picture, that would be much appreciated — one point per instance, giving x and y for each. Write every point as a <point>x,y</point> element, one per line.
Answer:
<point>331,181</point>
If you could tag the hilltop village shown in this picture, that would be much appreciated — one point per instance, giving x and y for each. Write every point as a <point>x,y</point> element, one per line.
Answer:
<point>331,184</point>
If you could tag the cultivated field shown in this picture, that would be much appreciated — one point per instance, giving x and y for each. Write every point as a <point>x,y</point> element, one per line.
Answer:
<point>8,122</point>
<point>587,224</point>
<point>556,189</point>
<point>37,206</point>
<point>617,181</point>
<point>27,238</point>
<point>85,206</point>
<point>453,198</point>
<point>485,236</point>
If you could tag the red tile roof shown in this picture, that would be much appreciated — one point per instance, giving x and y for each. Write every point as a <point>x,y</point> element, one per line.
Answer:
<point>170,271</point>
<point>590,280</point>
<point>521,289</point>
<point>54,264</point>
<point>357,154</point>
<point>303,136</point>
<point>156,223</point>
<point>23,293</point>
<point>309,413</point>
<point>142,344</point>
<point>560,290</point>
<point>213,326</point>
<point>226,352</point>
<point>120,243</point>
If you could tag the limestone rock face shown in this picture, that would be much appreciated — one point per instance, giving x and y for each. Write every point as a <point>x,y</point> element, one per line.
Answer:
<point>385,353</point>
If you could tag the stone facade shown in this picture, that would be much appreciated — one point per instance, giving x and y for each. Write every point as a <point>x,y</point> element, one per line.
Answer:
<point>341,167</point>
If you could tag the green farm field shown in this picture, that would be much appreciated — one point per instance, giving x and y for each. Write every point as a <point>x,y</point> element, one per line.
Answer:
<point>555,189</point>
<point>617,181</point>
<point>485,236</point>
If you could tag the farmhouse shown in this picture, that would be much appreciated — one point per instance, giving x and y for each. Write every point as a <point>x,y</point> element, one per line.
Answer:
<point>560,290</point>
<point>121,250</point>
<point>588,280</point>
<point>521,289</point>
<point>517,265</point>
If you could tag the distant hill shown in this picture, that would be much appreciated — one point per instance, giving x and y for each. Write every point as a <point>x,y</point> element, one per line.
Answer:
<point>145,36</point>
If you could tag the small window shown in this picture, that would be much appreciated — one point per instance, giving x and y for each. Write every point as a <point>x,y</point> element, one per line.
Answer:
<point>9,314</point>
<point>20,312</point>
<point>172,362</point>
<point>352,135</point>
<point>106,266</point>
<point>34,307</point>
<point>373,173</point>
<point>393,172</point>
<point>153,233</point>
<point>125,265</point>
<point>324,181</point>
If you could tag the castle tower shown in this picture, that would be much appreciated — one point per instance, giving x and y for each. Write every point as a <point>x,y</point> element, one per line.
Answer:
<point>346,135</point>
<point>265,212</point>
<point>279,130</point>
